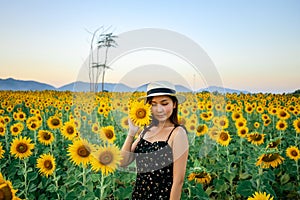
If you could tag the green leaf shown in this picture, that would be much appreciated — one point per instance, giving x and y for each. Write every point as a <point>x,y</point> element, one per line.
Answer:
<point>268,189</point>
<point>244,175</point>
<point>32,176</point>
<point>95,177</point>
<point>229,176</point>
<point>220,186</point>
<point>245,188</point>
<point>284,178</point>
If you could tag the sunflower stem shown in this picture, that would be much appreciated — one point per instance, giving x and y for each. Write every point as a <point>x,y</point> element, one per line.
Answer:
<point>258,181</point>
<point>241,151</point>
<point>297,166</point>
<point>102,188</point>
<point>25,179</point>
<point>83,179</point>
<point>56,184</point>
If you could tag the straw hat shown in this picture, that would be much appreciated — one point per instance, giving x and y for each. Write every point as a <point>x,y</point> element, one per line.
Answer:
<point>159,88</point>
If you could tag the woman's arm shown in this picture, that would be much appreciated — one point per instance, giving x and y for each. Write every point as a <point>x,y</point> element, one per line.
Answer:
<point>180,148</point>
<point>127,150</point>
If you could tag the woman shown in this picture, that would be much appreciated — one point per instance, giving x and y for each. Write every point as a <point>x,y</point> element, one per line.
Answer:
<point>161,149</point>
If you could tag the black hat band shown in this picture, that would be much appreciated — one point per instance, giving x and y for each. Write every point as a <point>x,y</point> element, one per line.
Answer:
<point>161,90</point>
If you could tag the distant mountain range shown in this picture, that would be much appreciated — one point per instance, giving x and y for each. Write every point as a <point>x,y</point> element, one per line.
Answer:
<point>21,85</point>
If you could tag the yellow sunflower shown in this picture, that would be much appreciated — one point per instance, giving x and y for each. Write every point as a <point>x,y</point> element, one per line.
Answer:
<point>80,152</point>
<point>21,116</point>
<point>7,191</point>
<point>283,114</point>
<point>249,109</point>
<point>16,128</point>
<point>281,125</point>
<point>274,144</point>
<point>236,115</point>
<point>243,131</point>
<point>95,128</point>
<point>269,160</point>
<point>224,138</point>
<point>206,116</point>
<point>140,113</point>
<point>293,153</point>
<point>68,130</point>
<point>54,122</point>
<point>256,138</point>
<point>214,133</point>
<point>256,124</point>
<point>45,137</point>
<point>260,196</point>
<point>296,124</point>
<point>46,164</point>
<point>106,159</point>
<point>124,122</point>
<point>200,177</point>
<point>21,147</point>
<point>202,129</point>
<point>240,123</point>
<point>260,109</point>
<point>108,134</point>
<point>2,151</point>
<point>2,129</point>
<point>33,123</point>
<point>223,122</point>
<point>267,122</point>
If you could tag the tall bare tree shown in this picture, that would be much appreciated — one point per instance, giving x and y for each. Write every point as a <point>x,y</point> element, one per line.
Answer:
<point>98,62</point>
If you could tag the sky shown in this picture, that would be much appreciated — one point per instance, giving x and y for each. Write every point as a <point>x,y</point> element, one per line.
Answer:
<point>254,45</point>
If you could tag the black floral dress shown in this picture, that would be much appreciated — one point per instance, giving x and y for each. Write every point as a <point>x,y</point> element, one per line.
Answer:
<point>154,163</point>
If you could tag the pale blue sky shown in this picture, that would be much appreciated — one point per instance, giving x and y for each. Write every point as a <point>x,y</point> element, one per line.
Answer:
<point>255,45</point>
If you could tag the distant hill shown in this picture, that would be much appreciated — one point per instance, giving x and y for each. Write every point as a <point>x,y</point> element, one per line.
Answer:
<point>13,84</point>
<point>21,85</point>
<point>221,90</point>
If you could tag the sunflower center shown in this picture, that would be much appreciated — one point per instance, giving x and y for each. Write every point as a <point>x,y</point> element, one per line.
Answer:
<point>140,113</point>
<point>298,124</point>
<point>22,148</point>
<point>243,132</point>
<point>237,116</point>
<point>48,164</point>
<point>224,136</point>
<point>46,136</point>
<point>283,114</point>
<point>1,129</point>
<point>33,125</point>
<point>281,125</point>
<point>82,151</point>
<point>109,134</point>
<point>270,157</point>
<point>15,129</point>
<point>126,122</point>
<point>21,116</point>
<point>106,158</point>
<point>240,124</point>
<point>55,122</point>
<point>70,130</point>
<point>5,193</point>
<point>200,128</point>
<point>200,175</point>
<point>256,137</point>
<point>294,153</point>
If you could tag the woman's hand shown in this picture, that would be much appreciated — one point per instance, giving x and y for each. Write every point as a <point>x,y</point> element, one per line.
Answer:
<point>133,129</point>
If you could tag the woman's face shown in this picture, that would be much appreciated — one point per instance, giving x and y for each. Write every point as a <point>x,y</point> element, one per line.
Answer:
<point>162,108</point>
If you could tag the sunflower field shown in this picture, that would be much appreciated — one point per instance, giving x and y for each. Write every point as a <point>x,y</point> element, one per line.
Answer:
<point>66,145</point>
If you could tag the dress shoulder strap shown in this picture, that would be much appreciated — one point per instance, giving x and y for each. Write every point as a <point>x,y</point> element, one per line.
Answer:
<point>171,132</point>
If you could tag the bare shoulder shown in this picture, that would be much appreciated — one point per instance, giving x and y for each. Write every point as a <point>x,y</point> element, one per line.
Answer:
<point>179,134</point>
